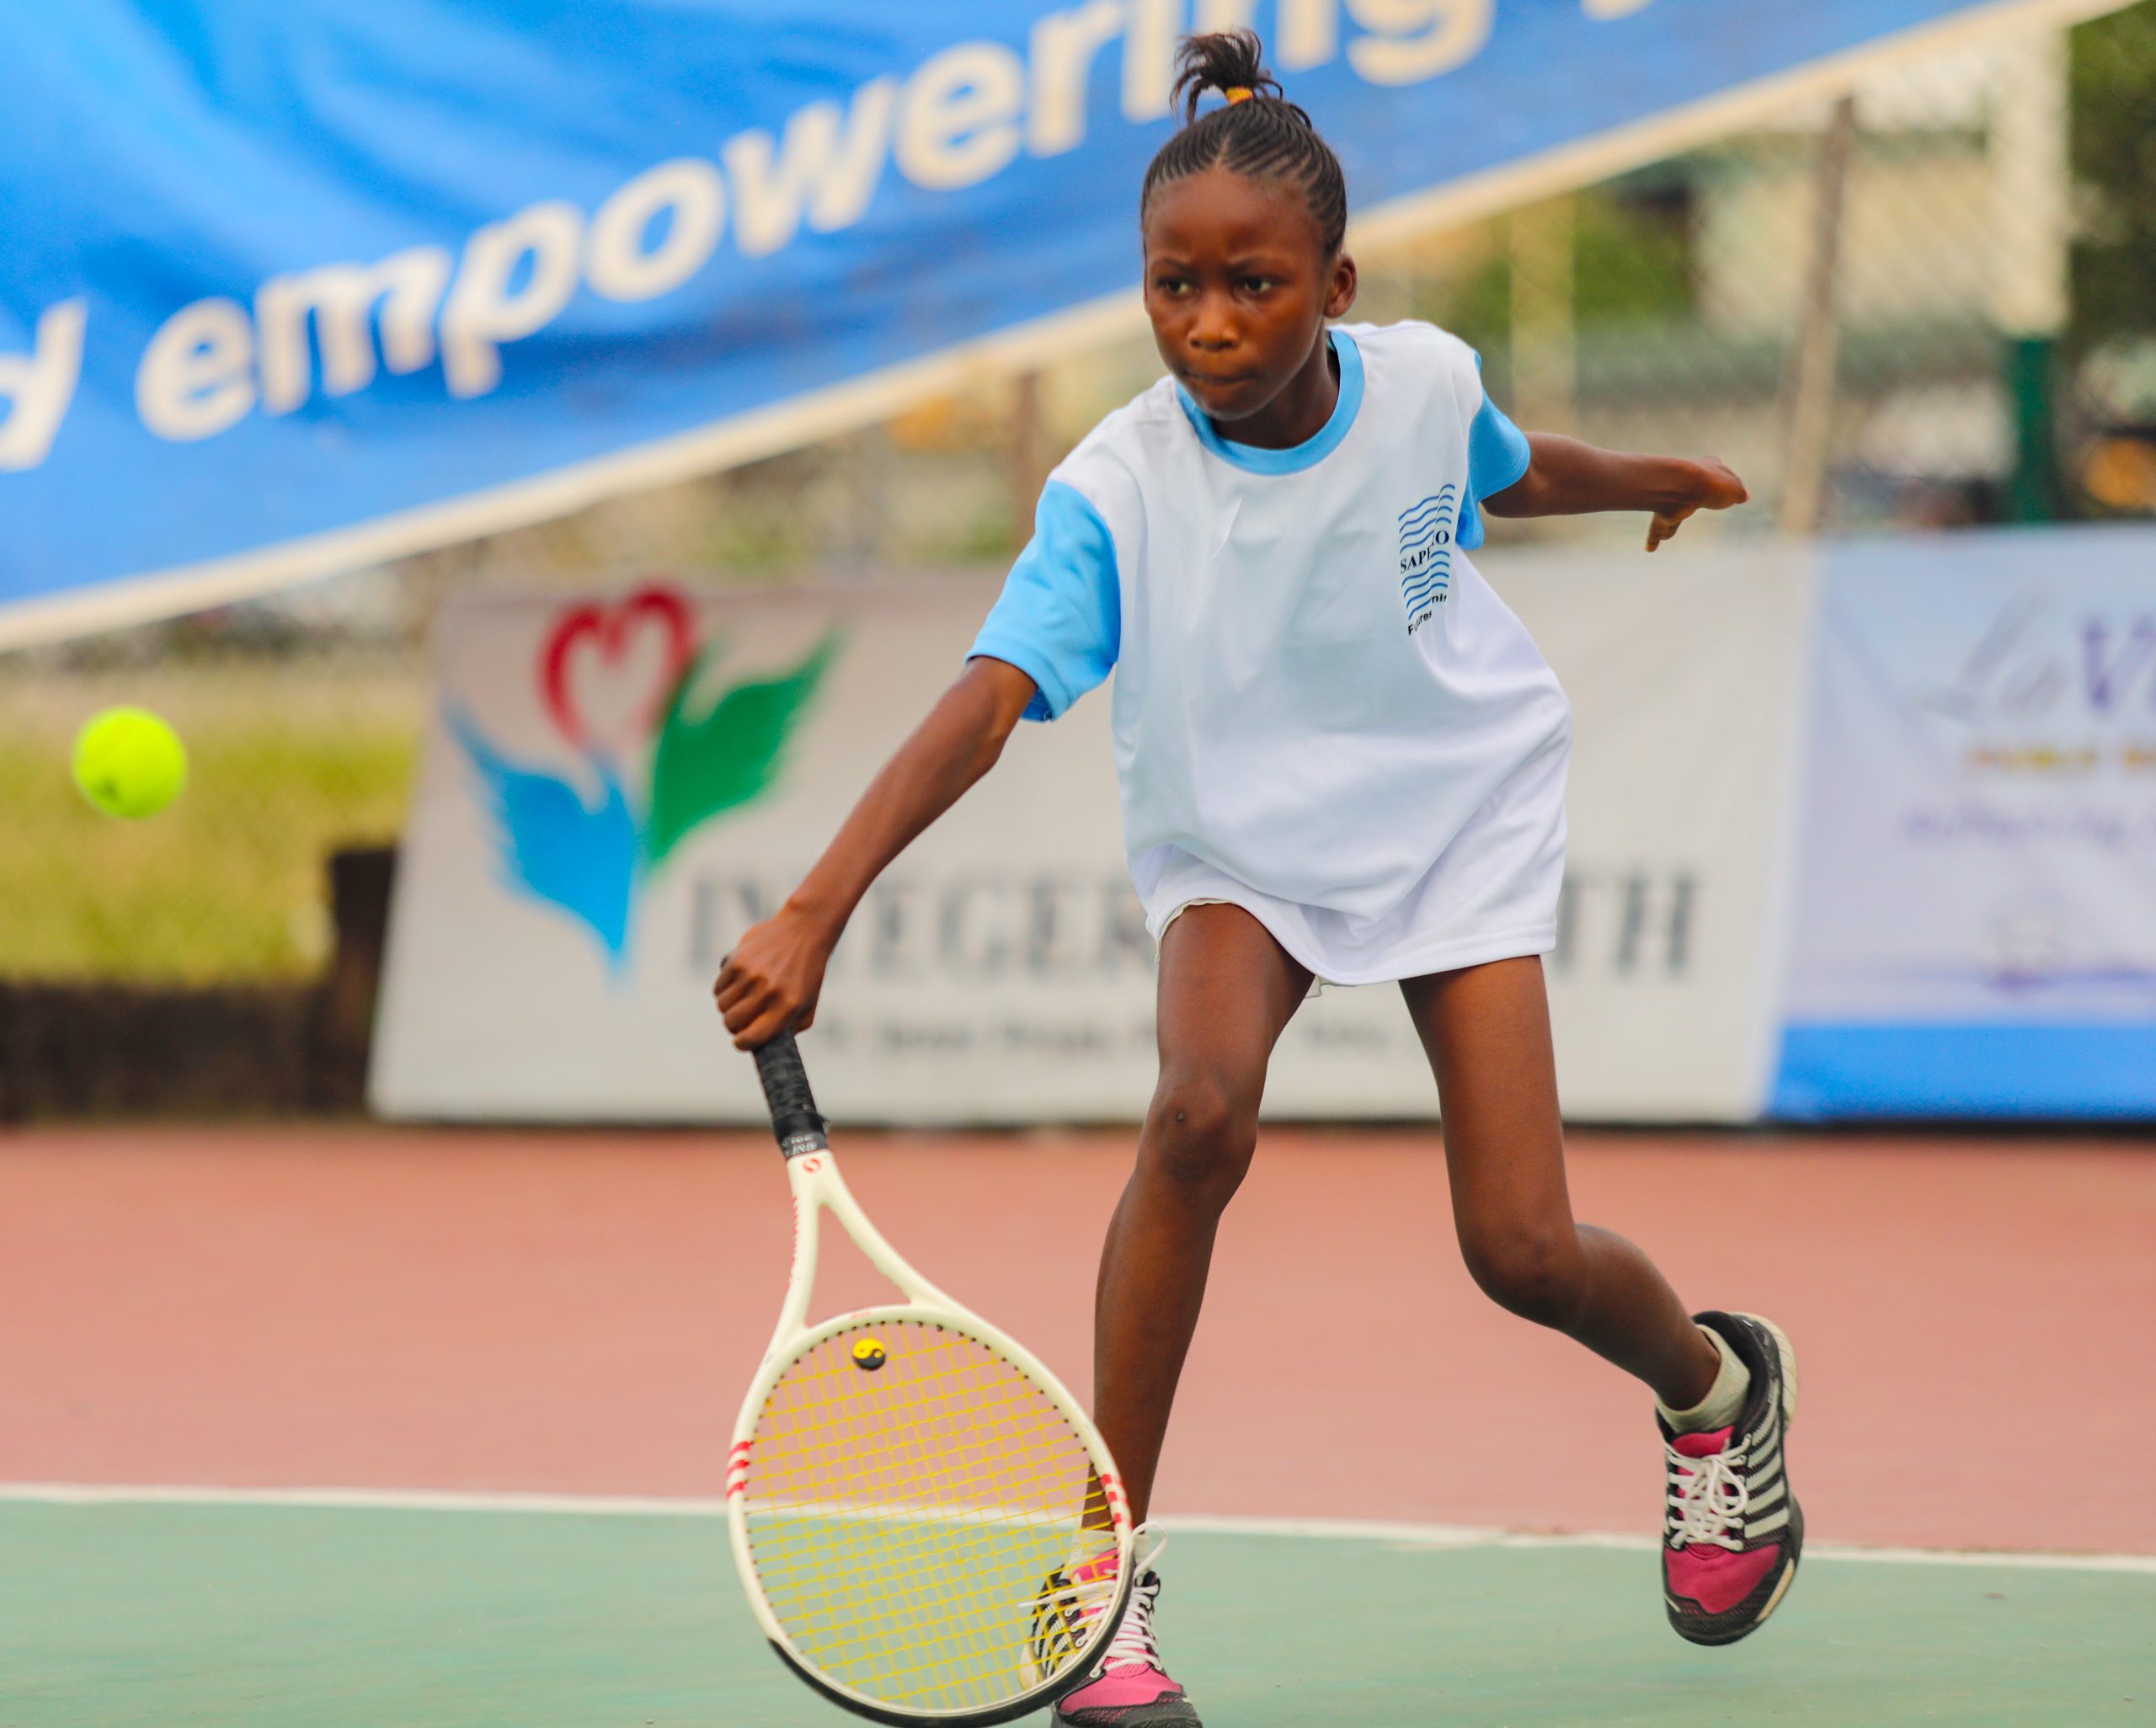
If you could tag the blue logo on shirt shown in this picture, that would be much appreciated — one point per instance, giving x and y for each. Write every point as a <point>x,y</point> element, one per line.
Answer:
<point>1426,554</point>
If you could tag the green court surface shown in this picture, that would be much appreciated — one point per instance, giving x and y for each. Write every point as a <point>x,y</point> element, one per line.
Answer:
<point>253,1616</point>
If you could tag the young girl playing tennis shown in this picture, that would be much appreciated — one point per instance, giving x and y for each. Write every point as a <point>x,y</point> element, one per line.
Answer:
<point>1341,759</point>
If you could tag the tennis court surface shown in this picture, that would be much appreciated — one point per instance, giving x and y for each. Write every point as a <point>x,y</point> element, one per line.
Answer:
<point>344,1427</point>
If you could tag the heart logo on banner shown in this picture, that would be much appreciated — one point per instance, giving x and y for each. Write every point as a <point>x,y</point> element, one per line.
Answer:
<point>605,672</point>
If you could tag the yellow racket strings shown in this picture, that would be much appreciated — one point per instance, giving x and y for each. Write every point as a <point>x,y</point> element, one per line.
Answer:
<point>904,1519</point>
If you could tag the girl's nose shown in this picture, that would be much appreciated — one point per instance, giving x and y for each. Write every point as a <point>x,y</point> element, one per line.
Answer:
<point>1213,331</point>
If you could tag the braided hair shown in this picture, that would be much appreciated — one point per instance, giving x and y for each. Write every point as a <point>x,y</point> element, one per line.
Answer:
<point>1258,134</point>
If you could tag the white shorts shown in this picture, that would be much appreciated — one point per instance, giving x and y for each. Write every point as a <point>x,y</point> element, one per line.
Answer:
<point>1491,895</point>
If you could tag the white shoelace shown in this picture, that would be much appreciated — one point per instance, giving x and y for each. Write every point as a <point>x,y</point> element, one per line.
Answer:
<point>1711,1499</point>
<point>1132,1646</point>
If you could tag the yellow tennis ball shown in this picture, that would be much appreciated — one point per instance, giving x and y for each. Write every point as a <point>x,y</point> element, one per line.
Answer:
<point>868,1355</point>
<point>128,762</point>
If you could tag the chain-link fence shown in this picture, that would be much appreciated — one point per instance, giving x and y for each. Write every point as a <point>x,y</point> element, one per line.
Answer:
<point>1930,304</point>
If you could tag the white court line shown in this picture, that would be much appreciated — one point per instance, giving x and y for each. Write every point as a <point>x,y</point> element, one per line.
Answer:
<point>632,1505</point>
<point>1481,1536</point>
<point>1416,1535</point>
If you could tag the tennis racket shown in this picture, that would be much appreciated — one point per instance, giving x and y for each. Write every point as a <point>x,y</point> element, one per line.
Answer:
<point>922,1516</point>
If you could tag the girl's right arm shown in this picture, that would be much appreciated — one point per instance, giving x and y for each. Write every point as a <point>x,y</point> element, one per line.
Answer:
<point>770,982</point>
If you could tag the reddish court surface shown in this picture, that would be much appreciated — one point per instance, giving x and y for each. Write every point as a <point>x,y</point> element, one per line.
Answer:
<point>577,1312</point>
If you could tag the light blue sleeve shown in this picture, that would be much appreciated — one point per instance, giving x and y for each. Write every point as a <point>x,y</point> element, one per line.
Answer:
<point>1497,457</point>
<point>1059,619</point>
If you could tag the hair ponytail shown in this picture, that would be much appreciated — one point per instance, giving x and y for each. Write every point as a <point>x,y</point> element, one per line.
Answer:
<point>1257,133</point>
<point>1230,62</point>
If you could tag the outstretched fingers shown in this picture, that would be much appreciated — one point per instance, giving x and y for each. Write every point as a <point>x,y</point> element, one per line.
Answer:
<point>1666,524</point>
<point>1715,487</point>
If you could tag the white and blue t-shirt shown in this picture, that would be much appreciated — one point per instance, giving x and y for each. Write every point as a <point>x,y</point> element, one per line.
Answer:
<point>1314,690</point>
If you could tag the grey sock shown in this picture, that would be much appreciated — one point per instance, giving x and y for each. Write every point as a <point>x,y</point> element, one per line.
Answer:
<point>1725,1399</point>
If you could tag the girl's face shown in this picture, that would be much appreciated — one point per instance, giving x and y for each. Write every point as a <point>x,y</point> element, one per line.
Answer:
<point>1239,286</point>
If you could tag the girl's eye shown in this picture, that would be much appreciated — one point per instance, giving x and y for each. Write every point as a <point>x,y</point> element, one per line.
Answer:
<point>1168,285</point>
<point>1257,285</point>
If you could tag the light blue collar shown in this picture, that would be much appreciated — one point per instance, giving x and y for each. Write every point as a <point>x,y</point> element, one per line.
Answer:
<point>1312,449</point>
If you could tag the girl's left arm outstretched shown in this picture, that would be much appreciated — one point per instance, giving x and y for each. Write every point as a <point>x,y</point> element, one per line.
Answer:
<point>1566,478</point>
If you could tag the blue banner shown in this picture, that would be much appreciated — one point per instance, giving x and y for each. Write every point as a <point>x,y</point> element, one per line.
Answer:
<point>293,283</point>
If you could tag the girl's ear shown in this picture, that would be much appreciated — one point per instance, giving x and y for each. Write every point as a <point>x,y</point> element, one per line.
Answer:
<point>1340,292</point>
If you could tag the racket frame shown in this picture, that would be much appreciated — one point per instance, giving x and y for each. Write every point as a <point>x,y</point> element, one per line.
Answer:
<point>813,1175</point>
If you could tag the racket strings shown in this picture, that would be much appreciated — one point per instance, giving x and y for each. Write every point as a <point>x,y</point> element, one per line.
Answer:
<point>939,1520</point>
<point>953,1654</point>
<point>902,1521</point>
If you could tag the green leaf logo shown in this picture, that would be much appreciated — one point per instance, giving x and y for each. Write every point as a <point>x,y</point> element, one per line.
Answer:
<point>704,765</point>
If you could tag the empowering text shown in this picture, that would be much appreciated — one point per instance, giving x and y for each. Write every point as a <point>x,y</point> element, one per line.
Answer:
<point>954,121</point>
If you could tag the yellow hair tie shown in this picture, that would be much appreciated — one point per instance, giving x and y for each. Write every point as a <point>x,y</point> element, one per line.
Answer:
<point>1239,94</point>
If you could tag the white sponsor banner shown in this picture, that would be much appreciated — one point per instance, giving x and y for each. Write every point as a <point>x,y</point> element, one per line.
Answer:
<point>580,857</point>
<point>1975,930</point>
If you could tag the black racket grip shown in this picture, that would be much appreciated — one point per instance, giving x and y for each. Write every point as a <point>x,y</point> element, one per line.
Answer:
<point>794,1115</point>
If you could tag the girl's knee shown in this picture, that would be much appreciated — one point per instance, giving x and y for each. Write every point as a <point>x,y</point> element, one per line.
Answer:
<point>1199,1135</point>
<point>1535,1272</point>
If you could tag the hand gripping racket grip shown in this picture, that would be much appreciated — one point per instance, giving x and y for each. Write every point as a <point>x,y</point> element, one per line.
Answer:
<point>794,1116</point>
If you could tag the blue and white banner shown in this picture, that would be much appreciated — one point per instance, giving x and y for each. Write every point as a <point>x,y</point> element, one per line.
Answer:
<point>1974,921</point>
<point>289,285</point>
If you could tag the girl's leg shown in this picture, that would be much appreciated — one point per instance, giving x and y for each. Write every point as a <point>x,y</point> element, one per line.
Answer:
<point>1487,1030</point>
<point>1227,990</point>
<point>1731,1528</point>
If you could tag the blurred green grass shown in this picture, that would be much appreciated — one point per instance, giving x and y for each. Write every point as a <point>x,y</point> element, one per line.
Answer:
<point>286,763</point>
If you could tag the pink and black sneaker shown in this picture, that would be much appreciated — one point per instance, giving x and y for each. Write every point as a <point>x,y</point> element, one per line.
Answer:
<point>1128,1689</point>
<point>1734,1531</point>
